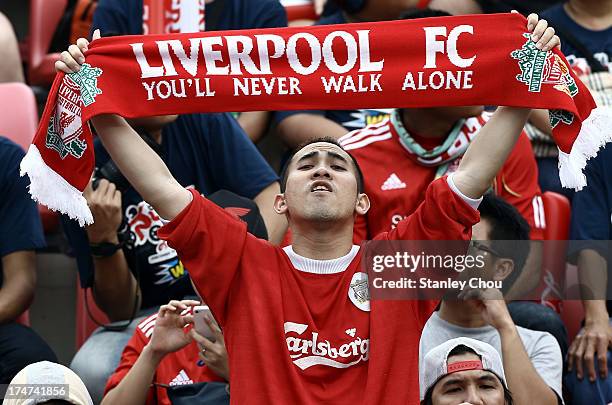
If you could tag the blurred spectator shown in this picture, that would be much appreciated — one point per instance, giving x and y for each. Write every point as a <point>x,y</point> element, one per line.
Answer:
<point>585,29</point>
<point>10,68</point>
<point>121,256</point>
<point>20,235</point>
<point>299,126</point>
<point>422,144</point>
<point>532,359</point>
<point>125,17</point>
<point>463,371</point>
<point>50,378</point>
<point>457,7</point>
<point>161,353</point>
<point>589,380</point>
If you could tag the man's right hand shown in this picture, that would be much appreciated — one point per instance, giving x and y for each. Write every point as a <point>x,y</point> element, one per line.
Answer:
<point>590,344</point>
<point>105,205</point>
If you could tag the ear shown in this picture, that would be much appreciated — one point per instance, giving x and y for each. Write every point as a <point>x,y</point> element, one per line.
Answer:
<point>363,204</point>
<point>280,204</point>
<point>503,268</point>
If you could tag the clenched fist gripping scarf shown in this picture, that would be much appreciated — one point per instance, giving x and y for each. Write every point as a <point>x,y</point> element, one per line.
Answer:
<point>449,61</point>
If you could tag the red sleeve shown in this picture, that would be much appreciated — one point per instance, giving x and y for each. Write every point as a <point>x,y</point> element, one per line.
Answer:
<point>129,356</point>
<point>518,184</point>
<point>423,310</point>
<point>210,242</point>
<point>443,215</point>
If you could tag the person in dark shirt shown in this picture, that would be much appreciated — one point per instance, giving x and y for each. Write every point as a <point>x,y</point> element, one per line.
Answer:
<point>126,17</point>
<point>589,379</point>
<point>20,235</point>
<point>585,29</point>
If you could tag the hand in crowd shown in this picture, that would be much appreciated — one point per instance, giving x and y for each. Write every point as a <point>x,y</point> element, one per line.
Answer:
<point>169,334</point>
<point>214,353</point>
<point>590,344</point>
<point>105,205</point>
<point>543,35</point>
<point>71,60</point>
<point>492,305</point>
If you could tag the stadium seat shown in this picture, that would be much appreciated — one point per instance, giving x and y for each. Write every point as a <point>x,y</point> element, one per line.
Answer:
<point>44,18</point>
<point>18,122</point>
<point>558,276</point>
<point>84,324</point>
<point>19,114</point>
<point>299,10</point>
<point>557,218</point>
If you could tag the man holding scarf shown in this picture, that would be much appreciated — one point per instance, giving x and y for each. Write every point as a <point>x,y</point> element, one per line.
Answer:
<point>275,304</point>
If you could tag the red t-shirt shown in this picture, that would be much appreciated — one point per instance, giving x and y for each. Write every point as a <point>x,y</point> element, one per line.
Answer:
<point>178,368</point>
<point>295,337</point>
<point>396,184</point>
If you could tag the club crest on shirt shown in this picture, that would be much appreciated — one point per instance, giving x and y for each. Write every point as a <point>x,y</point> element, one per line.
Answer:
<point>65,126</point>
<point>539,67</point>
<point>359,291</point>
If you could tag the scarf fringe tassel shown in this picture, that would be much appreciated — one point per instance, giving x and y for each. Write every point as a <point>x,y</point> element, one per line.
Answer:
<point>50,189</point>
<point>595,133</point>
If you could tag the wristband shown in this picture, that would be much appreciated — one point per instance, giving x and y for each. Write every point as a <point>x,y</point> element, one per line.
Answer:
<point>104,249</point>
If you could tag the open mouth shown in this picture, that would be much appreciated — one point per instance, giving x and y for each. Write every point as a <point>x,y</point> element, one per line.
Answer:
<point>320,187</point>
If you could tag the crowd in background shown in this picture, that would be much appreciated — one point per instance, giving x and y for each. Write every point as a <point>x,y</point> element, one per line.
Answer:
<point>141,285</point>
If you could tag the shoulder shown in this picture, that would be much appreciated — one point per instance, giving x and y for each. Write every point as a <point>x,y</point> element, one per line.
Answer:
<point>146,326</point>
<point>537,341</point>
<point>372,134</point>
<point>336,18</point>
<point>553,13</point>
<point>9,150</point>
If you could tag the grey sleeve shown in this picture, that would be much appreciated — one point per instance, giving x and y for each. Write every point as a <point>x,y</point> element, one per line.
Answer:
<point>545,356</point>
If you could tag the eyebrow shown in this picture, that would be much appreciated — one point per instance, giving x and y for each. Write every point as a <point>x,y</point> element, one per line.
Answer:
<point>316,152</point>
<point>458,380</point>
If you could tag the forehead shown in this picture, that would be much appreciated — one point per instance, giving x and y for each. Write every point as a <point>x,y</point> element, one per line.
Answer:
<point>322,148</point>
<point>468,376</point>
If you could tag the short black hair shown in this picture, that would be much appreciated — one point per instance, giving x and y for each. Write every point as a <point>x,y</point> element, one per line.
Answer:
<point>458,351</point>
<point>285,171</point>
<point>423,13</point>
<point>508,233</point>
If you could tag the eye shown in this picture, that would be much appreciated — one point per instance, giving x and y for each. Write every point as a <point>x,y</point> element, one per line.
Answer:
<point>488,387</point>
<point>453,390</point>
<point>305,167</point>
<point>337,167</point>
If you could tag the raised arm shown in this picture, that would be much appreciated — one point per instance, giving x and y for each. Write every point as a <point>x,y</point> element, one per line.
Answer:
<point>488,152</point>
<point>143,168</point>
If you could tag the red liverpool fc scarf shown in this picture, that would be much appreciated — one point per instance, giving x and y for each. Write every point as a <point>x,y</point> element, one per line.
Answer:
<point>449,61</point>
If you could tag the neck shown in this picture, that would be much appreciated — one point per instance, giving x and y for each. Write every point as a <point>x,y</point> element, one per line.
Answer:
<point>322,241</point>
<point>591,14</point>
<point>426,122</point>
<point>461,313</point>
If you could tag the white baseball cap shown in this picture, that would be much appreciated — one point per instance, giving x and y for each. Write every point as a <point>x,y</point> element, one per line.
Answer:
<point>47,375</point>
<point>435,363</point>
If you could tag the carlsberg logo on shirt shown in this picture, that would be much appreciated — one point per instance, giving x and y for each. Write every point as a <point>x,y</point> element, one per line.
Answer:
<point>315,351</point>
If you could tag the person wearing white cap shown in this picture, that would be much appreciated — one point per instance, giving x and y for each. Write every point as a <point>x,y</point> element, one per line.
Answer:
<point>46,382</point>
<point>463,371</point>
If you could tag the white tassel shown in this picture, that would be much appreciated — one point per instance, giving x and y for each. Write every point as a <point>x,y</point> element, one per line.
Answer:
<point>595,133</point>
<point>50,189</point>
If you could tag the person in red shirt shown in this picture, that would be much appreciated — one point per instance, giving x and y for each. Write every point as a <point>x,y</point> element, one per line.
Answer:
<point>298,324</point>
<point>161,353</point>
<point>422,144</point>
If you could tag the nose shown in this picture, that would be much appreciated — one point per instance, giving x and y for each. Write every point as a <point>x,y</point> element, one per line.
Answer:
<point>473,396</point>
<point>321,171</point>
